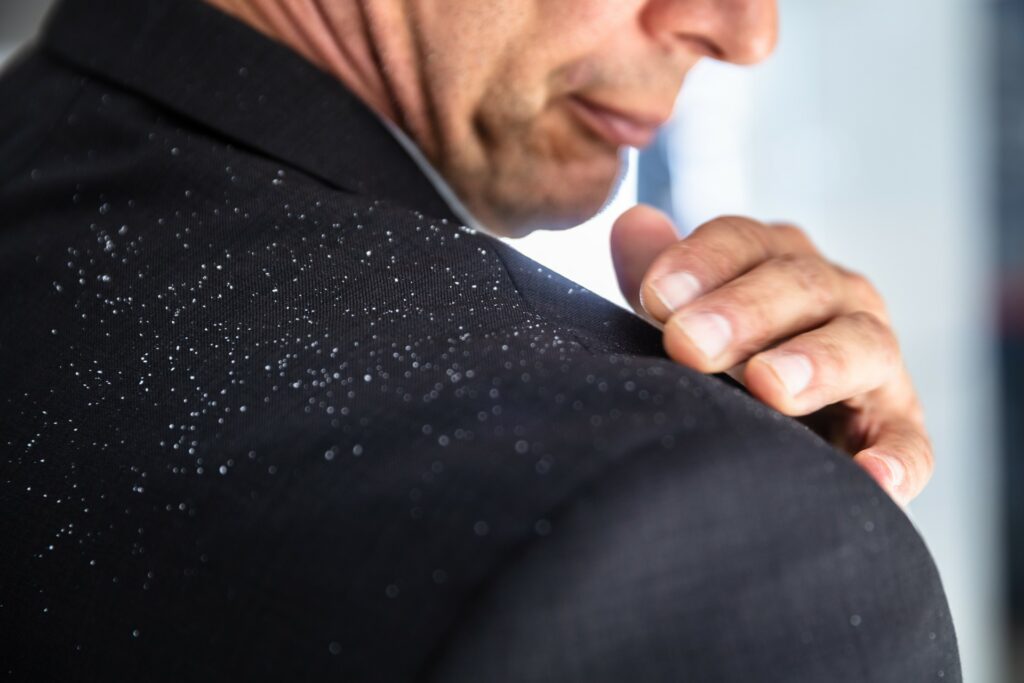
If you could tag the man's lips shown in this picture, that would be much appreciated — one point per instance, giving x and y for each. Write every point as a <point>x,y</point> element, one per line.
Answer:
<point>618,128</point>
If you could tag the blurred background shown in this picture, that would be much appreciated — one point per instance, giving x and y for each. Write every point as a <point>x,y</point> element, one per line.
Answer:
<point>893,133</point>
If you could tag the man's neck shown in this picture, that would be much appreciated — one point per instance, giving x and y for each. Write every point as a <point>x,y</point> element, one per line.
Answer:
<point>366,45</point>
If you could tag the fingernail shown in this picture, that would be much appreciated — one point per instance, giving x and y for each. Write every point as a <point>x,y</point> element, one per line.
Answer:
<point>676,289</point>
<point>897,473</point>
<point>793,369</point>
<point>709,332</point>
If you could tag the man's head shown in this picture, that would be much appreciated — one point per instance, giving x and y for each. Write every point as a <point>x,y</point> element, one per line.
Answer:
<point>522,105</point>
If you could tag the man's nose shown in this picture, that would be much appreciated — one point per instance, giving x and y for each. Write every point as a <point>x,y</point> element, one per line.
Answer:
<point>736,31</point>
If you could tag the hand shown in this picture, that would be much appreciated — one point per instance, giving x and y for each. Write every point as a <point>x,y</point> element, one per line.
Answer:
<point>804,335</point>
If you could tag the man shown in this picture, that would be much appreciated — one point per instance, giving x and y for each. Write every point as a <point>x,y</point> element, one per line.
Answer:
<point>270,412</point>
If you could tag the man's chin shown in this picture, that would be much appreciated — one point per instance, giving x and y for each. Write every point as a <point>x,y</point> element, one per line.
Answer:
<point>560,216</point>
<point>518,218</point>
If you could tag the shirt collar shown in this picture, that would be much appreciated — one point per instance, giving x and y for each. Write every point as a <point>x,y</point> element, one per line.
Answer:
<point>256,93</point>
<point>437,180</point>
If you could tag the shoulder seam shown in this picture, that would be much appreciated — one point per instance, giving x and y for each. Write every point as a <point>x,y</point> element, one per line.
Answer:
<point>515,284</point>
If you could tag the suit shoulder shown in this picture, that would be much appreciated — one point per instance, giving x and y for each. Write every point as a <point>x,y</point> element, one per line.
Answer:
<point>729,553</point>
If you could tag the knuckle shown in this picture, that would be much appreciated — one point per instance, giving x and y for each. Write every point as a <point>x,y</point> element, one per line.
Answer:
<point>794,233</point>
<point>874,325</point>
<point>865,293</point>
<point>868,319</point>
<point>881,335</point>
<point>750,315</point>
<point>676,257</point>
<point>830,354</point>
<point>742,228</point>
<point>835,357</point>
<point>812,275</point>
<point>757,329</point>
<point>717,244</point>
<point>682,256</point>
<point>737,223</point>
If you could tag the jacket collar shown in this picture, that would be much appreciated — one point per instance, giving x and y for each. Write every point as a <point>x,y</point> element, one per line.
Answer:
<point>217,71</point>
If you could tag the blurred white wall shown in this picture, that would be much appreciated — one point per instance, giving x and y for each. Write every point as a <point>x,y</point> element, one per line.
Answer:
<point>870,129</point>
<point>582,254</point>
<point>18,20</point>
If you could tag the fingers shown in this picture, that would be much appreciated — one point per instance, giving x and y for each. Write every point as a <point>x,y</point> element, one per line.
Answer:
<point>713,254</point>
<point>900,459</point>
<point>638,236</point>
<point>884,425</point>
<point>778,298</point>
<point>855,359</point>
<point>851,355</point>
<point>806,336</point>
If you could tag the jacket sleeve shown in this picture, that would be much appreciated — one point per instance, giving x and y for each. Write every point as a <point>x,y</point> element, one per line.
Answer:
<point>771,565</point>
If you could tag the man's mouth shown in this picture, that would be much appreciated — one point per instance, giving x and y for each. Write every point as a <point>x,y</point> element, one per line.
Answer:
<point>616,126</point>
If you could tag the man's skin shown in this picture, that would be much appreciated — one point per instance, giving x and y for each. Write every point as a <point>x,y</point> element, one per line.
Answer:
<point>524,112</point>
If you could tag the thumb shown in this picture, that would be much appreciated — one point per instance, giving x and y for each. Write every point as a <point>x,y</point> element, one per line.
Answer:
<point>638,236</point>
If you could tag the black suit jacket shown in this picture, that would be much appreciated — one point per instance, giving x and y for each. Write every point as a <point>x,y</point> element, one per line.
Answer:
<point>269,412</point>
